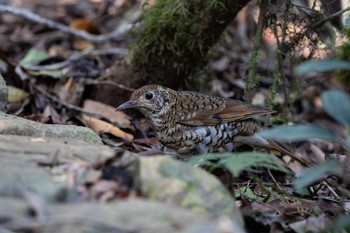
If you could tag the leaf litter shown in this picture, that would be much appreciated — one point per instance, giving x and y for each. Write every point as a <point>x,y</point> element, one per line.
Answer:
<point>269,201</point>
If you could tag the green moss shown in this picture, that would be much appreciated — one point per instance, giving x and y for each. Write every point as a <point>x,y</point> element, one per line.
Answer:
<point>159,27</point>
<point>90,136</point>
<point>174,37</point>
<point>343,53</point>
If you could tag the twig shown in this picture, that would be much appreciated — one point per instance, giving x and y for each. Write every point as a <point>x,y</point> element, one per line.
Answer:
<point>67,105</point>
<point>102,82</point>
<point>118,32</point>
<point>272,177</point>
<point>326,18</point>
<point>77,56</point>
<point>296,39</point>
<point>325,183</point>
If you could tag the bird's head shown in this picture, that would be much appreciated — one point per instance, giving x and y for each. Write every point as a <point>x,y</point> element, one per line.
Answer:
<point>151,100</point>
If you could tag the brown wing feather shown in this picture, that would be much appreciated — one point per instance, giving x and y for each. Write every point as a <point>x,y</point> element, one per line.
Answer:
<point>214,110</point>
<point>197,109</point>
<point>237,110</point>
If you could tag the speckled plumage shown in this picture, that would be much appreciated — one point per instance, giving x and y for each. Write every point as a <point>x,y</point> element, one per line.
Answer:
<point>189,122</point>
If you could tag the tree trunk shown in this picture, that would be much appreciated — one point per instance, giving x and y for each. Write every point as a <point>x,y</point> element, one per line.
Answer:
<point>170,44</point>
<point>174,38</point>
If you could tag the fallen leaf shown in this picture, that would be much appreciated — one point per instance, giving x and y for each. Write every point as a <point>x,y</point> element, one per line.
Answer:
<point>70,90</point>
<point>33,57</point>
<point>100,126</point>
<point>87,26</point>
<point>16,95</point>
<point>109,112</point>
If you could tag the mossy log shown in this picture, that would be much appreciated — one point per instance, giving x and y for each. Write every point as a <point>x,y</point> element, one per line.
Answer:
<point>174,37</point>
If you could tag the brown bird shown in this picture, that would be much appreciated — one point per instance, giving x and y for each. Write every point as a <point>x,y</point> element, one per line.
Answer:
<point>188,122</point>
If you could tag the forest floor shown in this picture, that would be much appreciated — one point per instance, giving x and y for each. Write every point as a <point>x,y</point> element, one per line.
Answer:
<point>71,163</point>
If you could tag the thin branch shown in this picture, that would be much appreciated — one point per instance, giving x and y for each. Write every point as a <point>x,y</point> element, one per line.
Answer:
<point>118,32</point>
<point>296,39</point>
<point>65,104</point>
<point>78,56</point>
<point>333,15</point>
<point>326,18</point>
<point>110,83</point>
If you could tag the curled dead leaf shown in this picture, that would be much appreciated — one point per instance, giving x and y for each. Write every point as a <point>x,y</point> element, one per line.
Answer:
<point>100,126</point>
<point>120,118</point>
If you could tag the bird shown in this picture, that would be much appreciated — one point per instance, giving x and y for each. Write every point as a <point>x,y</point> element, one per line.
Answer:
<point>189,123</point>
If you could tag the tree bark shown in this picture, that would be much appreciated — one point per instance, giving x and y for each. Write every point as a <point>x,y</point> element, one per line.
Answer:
<point>174,38</point>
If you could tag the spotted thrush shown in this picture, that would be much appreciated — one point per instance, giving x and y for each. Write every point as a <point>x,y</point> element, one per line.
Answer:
<point>188,122</point>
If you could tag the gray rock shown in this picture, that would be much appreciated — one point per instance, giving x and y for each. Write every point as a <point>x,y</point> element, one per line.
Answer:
<point>131,215</point>
<point>3,94</point>
<point>20,156</point>
<point>19,176</point>
<point>14,125</point>
<point>165,179</point>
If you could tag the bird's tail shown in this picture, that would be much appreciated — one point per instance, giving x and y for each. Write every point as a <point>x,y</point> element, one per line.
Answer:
<point>271,145</point>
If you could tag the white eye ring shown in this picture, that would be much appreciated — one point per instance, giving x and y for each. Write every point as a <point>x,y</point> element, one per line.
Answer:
<point>149,95</point>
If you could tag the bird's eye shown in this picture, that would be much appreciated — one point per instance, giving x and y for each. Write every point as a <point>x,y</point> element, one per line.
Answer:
<point>149,95</point>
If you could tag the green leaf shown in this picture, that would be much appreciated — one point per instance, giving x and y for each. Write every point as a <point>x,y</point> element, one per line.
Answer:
<point>206,160</point>
<point>237,162</point>
<point>310,175</point>
<point>33,57</point>
<point>347,21</point>
<point>16,95</point>
<point>321,66</point>
<point>337,105</point>
<point>50,73</point>
<point>294,133</point>
<point>248,192</point>
<point>347,142</point>
<point>340,224</point>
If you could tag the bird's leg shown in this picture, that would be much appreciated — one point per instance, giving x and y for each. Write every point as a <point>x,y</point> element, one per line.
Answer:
<point>170,152</point>
<point>203,149</point>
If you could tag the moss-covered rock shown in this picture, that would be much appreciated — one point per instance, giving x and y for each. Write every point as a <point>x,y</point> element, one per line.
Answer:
<point>13,125</point>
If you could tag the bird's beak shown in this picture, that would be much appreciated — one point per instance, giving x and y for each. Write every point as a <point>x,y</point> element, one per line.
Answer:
<point>127,105</point>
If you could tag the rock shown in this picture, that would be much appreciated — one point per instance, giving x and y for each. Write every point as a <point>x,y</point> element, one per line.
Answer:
<point>168,180</point>
<point>17,176</point>
<point>130,215</point>
<point>43,149</point>
<point>20,156</point>
<point>13,125</point>
<point>3,94</point>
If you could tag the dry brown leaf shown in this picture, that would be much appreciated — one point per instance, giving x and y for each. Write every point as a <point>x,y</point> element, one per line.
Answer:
<point>100,126</point>
<point>70,90</point>
<point>295,166</point>
<point>109,112</point>
<point>81,44</point>
<point>84,25</point>
<point>317,101</point>
<point>318,153</point>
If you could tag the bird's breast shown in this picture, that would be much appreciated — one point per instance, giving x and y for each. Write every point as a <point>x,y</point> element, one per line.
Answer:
<point>197,139</point>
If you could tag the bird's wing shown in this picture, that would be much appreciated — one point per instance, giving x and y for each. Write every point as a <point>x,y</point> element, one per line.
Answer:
<point>198,109</point>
